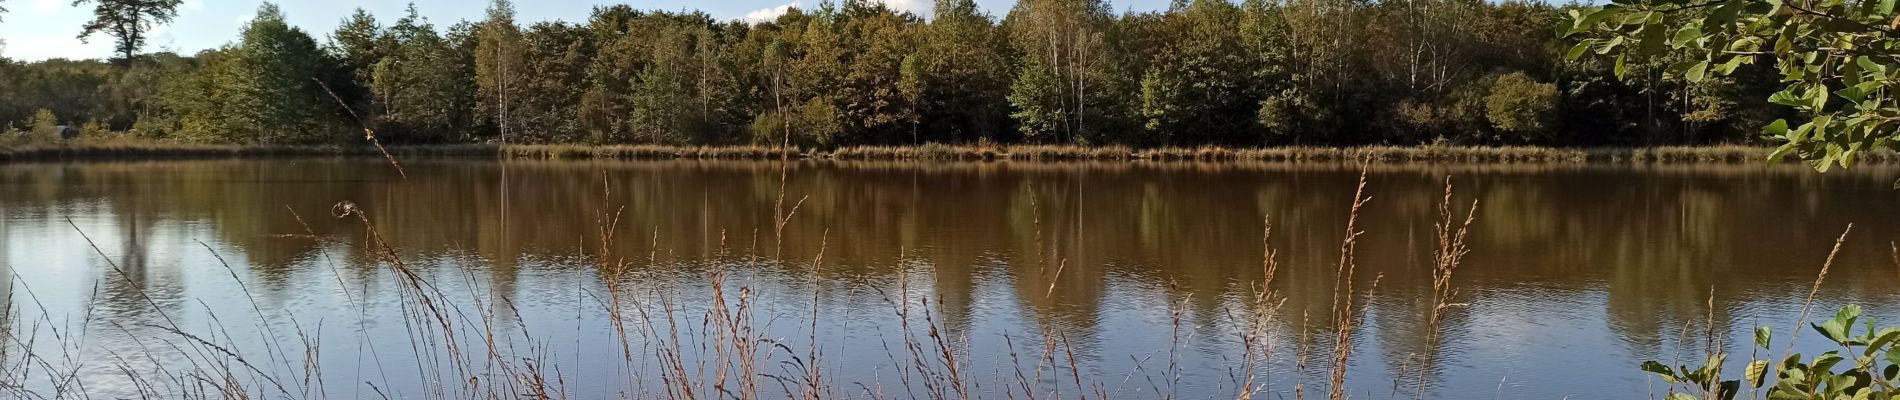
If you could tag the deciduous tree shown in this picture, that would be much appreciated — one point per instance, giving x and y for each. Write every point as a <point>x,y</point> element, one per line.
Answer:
<point>129,22</point>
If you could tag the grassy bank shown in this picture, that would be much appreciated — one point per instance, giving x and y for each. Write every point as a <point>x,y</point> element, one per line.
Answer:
<point>1720,154</point>
<point>139,150</point>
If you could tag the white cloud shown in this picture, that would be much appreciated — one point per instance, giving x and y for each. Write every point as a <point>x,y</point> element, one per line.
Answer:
<point>768,14</point>
<point>43,7</point>
<point>919,7</point>
<point>44,46</point>
<point>192,5</point>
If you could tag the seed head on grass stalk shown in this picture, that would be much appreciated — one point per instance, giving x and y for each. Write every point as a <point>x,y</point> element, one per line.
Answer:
<point>1256,344</point>
<point>369,134</point>
<point>1345,314</point>
<point>813,372</point>
<point>1808,305</point>
<point>1447,256</point>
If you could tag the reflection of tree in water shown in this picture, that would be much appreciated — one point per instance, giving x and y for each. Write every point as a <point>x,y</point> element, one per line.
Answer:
<point>1654,239</point>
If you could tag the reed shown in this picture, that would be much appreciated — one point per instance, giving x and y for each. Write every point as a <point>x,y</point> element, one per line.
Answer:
<point>121,147</point>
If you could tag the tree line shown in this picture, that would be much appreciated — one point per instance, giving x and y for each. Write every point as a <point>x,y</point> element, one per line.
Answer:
<point>1201,72</point>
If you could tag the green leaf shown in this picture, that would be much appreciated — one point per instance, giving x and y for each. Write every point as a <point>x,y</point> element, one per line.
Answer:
<point>1757,372</point>
<point>1696,73</point>
<point>1725,13</point>
<point>1867,64</point>
<point>1610,45</point>
<point>1589,21</point>
<point>1885,8</point>
<point>1784,41</point>
<point>1881,340</point>
<point>1850,74</point>
<point>1785,97</point>
<point>1825,361</point>
<point>1686,35</point>
<point>1763,335</point>
<point>1709,369</point>
<point>1635,18</point>
<point>1730,66</point>
<point>1851,93</point>
<point>1781,152</point>
<point>1655,38</point>
<point>1848,314</point>
<point>1622,68</point>
<point>1817,96</point>
<point>1657,368</point>
<point>1677,69</point>
<point>1578,50</point>
<point>1680,396</point>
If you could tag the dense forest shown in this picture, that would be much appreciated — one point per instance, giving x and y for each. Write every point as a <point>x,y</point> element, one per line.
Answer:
<point>1202,72</point>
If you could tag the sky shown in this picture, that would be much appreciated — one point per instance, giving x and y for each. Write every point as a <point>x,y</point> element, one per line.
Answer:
<point>40,29</point>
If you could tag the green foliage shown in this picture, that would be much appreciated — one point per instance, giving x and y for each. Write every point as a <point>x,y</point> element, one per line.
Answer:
<point>500,69</point>
<point>1866,367</point>
<point>548,105</point>
<point>662,95</point>
<point>1835,58</point>
<point>959,76</point>
<point>1521,105</point>
<point>856,72</point>
<point>264,89</point>
<point>43,128</point>
<point>1070,88</point>
<point>1286,114</point>
<point>1198,88</point>
<point>423,87</point>
<point>1037,97</point>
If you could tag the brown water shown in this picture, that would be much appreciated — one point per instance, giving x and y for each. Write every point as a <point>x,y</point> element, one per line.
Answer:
<point>1576,274</point>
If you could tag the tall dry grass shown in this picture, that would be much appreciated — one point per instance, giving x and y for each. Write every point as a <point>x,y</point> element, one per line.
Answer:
<point>1449,253</point>
<point>122,147</point>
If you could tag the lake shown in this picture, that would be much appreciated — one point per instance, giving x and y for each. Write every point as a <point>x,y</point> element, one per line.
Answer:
<point>592,279</point>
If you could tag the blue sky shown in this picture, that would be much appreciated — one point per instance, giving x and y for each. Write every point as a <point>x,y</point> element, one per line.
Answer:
<point>40,29</point>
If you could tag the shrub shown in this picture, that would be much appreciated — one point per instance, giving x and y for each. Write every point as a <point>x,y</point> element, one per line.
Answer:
<point>43,128</point>
<point>1521,105</point>
<point>1867,366</point>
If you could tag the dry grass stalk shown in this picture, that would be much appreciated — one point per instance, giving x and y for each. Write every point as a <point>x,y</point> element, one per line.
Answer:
<point>1345,315</point>
<point>1808,305</point>
<point>1712,346</point>
<point>1256,339</point>
<point>813,388</point>
<point>369,134</point>
<point>1447,256</point>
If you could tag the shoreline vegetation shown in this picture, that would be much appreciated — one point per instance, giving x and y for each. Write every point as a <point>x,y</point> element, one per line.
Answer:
<point>850,73</point>
<point>83,150</point>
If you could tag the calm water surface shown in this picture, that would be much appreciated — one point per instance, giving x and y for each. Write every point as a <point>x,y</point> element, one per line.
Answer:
<point>1576,274</point>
